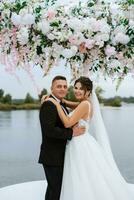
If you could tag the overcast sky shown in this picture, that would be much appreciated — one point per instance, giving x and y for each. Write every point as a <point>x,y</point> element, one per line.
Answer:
<point>19,90</point>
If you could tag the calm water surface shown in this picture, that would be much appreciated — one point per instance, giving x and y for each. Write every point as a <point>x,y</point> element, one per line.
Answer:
<point>20,139</point>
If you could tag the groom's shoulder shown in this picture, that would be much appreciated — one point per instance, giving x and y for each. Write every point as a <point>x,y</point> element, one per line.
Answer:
<point>47,104</point>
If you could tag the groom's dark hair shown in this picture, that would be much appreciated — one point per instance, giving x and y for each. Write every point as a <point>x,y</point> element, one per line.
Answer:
<point>58,78</point>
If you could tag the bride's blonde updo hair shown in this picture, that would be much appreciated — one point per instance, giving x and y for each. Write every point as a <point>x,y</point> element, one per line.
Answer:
<point>86,83</point>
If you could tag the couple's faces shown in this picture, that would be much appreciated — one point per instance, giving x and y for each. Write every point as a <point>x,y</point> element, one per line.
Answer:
<point>59,88</point>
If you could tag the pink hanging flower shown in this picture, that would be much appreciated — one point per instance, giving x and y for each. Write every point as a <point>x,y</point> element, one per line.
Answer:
<point>51,14</point>
<point>73,40</point>
<point>82,48</point>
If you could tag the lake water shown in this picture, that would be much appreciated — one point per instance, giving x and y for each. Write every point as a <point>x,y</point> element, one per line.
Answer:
<point>20,139</point>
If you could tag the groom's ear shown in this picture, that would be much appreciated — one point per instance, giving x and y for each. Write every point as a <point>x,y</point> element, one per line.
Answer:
<point>51,87</point>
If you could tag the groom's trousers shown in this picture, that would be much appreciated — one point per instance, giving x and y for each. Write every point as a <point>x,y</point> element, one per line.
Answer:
<point>54,176</point>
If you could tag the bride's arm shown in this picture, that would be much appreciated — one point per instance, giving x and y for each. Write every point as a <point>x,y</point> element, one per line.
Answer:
<point>71,104</point>
<point>81,110</point>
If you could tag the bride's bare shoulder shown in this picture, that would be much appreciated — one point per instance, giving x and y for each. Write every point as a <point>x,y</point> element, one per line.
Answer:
<point>85,104</point>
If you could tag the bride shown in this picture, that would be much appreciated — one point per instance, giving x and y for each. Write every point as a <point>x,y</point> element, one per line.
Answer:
<point>90,172</point>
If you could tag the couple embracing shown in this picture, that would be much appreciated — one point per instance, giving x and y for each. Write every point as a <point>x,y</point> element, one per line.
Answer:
<point>77,165</point>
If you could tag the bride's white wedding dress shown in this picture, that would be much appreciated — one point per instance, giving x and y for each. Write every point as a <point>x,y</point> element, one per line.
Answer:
<point>88,175</point>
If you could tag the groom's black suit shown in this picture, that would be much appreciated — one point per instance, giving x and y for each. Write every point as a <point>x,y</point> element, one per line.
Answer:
<point>54,139</point>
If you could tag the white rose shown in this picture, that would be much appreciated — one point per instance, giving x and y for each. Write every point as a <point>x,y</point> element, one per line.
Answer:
<point>51,36</point>
<point>57,50</point>
<point>122,38</point>
<point>94,25</point>
<point>23,12</point>
<point>28,19</point>
<point>75,24</point>
<point>68,53</point>
<point>110,51</point>
<point>114,63</point>
<point>16,19</point>
<point>99,43</point>
<point>119,29</point>
<point>44,26</point>
<point>114,9</point>
<point>74,49</point>
<point>104,27</point>
<point>23,36</point>
<point>104,37</point>
<point>89,43</point>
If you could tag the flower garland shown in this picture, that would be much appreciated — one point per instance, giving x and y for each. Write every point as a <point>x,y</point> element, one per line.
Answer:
<point>92,35</point>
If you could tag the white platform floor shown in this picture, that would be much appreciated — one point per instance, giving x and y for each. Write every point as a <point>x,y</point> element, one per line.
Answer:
<point>34,190</point>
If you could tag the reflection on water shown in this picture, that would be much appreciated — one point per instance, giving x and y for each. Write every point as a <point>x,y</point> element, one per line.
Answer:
<point>5,119</point>
<point>20,139</point>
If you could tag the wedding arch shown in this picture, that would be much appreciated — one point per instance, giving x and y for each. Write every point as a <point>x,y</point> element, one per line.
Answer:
<point>94,35</point>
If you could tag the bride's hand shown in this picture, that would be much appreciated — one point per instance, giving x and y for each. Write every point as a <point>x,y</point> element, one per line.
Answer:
<point>44,98</point>
<point>53,101</point>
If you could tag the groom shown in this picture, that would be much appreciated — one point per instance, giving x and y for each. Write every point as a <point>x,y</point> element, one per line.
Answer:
<point>54,138</point>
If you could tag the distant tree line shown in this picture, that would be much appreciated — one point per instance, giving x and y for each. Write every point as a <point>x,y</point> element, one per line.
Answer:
<point>5,98</point>
<point>114,101</point>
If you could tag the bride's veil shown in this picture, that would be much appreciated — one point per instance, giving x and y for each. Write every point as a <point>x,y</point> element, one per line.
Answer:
<point>98,129</point>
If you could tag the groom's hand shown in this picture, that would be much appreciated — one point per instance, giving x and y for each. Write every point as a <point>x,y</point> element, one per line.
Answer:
<point>78,130</point>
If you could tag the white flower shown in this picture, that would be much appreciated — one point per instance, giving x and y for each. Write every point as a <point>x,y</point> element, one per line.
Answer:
<point>23,35</point>
<point>104,27</point>
<point>104,37</point>
<point>122,38</point>
<point>68,53</point>
<point>89,43</point>
<point>44,26</point>
<point>110,51</point>
<point>99,43</point>
<point>28,19</point>
<point>74,49</point>
<point>75,24</point>
<point>119,29</point>
<point>23,11</point>
<point>16,19</point>
<point>51,36</point>
<point>115,10</point>
<point>94,25</point>
<point>114,63</point>
<point>101,38</point>
<point>57,50</point>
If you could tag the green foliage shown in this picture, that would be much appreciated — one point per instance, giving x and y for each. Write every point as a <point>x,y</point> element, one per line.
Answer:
<point>23,106</point>
<point>19,5</point>
<point>1,94</point>
<point>29,99</point>
<point>131,2</point>
<point>70,95</point>
<point>7,99</point>
<point>115,102</point>
<point>43,92</point>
